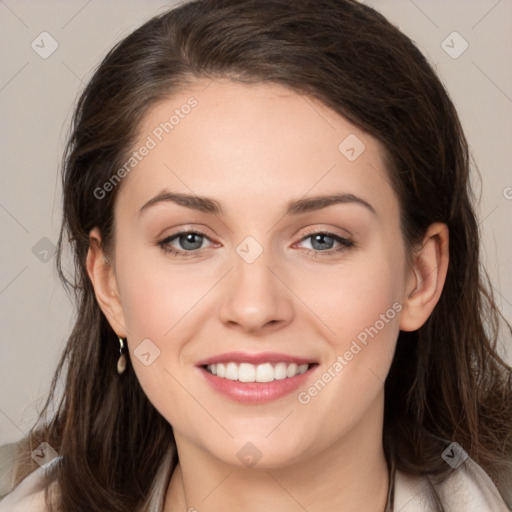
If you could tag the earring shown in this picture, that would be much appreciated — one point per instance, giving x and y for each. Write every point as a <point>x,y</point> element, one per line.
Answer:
<point>121,362</point>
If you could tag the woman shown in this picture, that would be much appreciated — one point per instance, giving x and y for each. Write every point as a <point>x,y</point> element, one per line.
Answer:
<point>222,358</point>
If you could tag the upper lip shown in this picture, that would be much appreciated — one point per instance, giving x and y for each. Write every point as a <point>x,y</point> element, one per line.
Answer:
<point>262,357</point>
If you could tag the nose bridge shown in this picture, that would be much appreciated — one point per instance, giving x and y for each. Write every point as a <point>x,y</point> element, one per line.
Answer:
<point>254,296</point>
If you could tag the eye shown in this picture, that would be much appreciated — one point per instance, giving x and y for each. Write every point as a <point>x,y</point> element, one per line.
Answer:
<point>191,241</point>
<point>322,243</point>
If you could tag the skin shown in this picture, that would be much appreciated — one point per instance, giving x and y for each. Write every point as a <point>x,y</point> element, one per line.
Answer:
<point>253,148</point>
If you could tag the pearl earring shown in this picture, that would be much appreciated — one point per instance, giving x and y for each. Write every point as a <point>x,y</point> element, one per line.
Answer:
<point>121,362</point>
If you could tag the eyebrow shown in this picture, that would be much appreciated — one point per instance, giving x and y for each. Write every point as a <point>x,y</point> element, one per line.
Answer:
<point>293,207</point>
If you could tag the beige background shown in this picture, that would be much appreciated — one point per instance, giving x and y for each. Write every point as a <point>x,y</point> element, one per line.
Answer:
<point>36,99</point>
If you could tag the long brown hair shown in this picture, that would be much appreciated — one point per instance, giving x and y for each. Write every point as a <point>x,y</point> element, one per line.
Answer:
<point>447,381</point>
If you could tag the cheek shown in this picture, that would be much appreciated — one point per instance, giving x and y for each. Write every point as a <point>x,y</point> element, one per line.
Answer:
<point>156,294</point>
<point>157,302</point>
<point>161,303</point>
<point>356,299</point>
<point>369,309</point>
<point>363,311</point>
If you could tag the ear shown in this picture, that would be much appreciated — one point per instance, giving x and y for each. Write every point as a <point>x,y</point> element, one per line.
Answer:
<point>103,278</point>
<point>425,278</point>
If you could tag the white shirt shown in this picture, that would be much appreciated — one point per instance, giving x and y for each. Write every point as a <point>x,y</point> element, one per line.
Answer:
<point>467,489</point>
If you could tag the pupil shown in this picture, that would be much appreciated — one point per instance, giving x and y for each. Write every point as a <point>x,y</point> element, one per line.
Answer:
<point>320,238</point>
<point>189,238</point>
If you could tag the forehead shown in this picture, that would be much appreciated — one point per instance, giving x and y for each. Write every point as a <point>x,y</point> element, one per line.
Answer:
<point>253,145</point>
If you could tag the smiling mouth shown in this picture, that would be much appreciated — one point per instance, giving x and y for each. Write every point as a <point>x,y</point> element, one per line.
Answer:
<point>265,372</point>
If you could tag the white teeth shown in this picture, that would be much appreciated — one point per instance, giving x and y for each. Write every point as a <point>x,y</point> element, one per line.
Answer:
<point>280,371</point>
<point>246,372</point>
<point>231,371</point>
<point>291,370</point>
<point>303,368</point>
<point>265,372</point>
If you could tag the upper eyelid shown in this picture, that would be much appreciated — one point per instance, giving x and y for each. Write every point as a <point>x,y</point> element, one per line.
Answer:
<point>310,228</point>
<point>329,231</point>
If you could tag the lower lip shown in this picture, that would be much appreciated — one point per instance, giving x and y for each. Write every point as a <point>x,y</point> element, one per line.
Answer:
<point>256,392</point>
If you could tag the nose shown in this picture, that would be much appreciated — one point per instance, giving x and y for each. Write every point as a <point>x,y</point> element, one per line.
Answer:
<point>256,298</point>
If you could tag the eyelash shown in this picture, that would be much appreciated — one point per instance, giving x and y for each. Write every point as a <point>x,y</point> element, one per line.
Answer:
<point>345,243</point>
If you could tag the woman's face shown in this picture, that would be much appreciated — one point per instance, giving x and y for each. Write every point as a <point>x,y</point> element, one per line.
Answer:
<point>257,288</point>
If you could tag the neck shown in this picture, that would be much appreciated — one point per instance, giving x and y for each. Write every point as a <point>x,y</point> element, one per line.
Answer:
<point>349,476</point>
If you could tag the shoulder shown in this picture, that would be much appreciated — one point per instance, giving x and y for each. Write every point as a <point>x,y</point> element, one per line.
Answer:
<point>29,494</point>
<point>467,489</point>
<point>26,496</point>
<point>8,456</point>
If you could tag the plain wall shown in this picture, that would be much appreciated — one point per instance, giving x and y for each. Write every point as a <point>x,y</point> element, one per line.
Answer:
<point>36,99</point>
